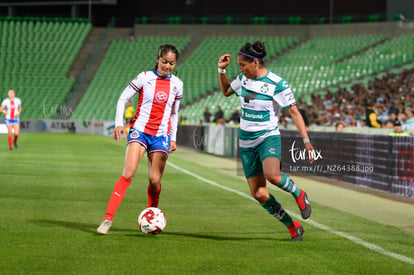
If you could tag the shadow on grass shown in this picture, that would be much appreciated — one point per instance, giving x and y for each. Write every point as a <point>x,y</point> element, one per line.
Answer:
<point>91,228</point>
<point>215,236</point>
<point>84,227</point>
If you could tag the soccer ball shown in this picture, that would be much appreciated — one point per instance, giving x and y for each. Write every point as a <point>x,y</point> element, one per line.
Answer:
<point>152,221</point>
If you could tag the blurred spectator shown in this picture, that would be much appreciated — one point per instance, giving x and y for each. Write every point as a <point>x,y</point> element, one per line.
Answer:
<point>409,123</point>
<point>361,123</point>
<point>371,116</point>
<point>398,130</point>
<point>218,115</point>
<point>389,124</point>
<point>381,110</point>
<point>207,115</point>
<point>235,117</point>
<point>182,120</point>
<point>340,126</point>
<point>283,122</point>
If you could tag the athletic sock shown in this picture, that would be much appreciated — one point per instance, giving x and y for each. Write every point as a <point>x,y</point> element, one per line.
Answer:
<point>117,196</point>
<point>10,138</point>
<point>276,210</point>
<point>16,137</point>
<point>288,185</point>
<point>292,228</point>
<point>153,196</point>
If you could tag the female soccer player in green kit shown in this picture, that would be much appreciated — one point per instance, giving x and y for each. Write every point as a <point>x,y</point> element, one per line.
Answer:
<point>263,94</point>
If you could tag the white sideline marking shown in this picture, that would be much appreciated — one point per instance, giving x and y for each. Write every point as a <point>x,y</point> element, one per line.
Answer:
<point>356,240</point>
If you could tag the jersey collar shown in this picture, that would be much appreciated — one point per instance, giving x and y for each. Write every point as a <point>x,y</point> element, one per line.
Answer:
<point>157,74</point>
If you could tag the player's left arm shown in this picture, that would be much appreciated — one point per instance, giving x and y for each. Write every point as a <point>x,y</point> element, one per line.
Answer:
<point>174,125</point>
<point>300,125</point>
<point>285,98</point>
<point>19,110</point>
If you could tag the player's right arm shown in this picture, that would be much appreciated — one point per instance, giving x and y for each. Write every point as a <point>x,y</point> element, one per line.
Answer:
<point>223,62</point>
<point>3,105</point>
<point>126,95</point>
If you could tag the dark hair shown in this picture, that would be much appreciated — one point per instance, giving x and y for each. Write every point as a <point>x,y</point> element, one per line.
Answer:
<point>163,49</point>
<point>257,50</point>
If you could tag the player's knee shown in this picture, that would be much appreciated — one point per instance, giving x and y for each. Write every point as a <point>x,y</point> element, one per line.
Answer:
<point>155,180</point>
<point>274,179</point>
<point>260,195</point>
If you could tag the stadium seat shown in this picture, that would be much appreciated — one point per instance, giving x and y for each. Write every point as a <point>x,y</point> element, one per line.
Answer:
<point>122,62</point>
<point>42,50</point>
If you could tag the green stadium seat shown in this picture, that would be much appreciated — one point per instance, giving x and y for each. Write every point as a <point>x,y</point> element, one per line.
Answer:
<point>42,50</point>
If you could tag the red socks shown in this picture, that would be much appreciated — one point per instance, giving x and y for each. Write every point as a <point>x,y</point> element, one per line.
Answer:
<point>292,228</point>
<point>10,139</point>
<point>15,138</point>
<point>153,196</point>
<point>117,196</point>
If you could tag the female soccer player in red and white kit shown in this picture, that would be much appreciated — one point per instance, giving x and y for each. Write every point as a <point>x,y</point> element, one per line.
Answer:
<point>153,129</point>
<point>12,107</point>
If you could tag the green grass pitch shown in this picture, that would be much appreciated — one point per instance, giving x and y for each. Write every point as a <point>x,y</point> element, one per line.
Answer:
<point>54,192</point>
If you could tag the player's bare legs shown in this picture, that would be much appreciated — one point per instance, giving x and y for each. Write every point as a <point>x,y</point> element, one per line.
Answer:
<point>259,191</point>
<point>10,136</point>
<point>271,168</point>
<point>156,165</point>
<point>16,133</point>
<point>133,155</point>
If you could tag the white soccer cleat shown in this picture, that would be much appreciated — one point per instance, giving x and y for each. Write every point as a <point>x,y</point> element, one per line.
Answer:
<point>104,227</point>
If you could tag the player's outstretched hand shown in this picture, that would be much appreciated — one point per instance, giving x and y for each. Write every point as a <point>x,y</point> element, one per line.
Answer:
<point>118,132</point>
<point>224,61</point>
<point>311,151</point>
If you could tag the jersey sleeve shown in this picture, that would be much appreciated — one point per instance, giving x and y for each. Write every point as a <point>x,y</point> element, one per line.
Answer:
<point>174,111</point>
<point>132,89</point>
<point>236,85</point>
<point>138,81</point>
<point>180,90</point>
<point>283,95</point>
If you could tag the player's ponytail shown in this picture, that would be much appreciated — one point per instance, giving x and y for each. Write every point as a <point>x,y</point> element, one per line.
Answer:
<point>257,50</point>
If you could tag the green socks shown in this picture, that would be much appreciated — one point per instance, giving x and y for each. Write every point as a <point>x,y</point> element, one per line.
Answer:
<point>288,185</point>
<point>276,210</point>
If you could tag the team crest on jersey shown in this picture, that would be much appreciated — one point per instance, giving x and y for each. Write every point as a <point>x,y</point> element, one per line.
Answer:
<point>161,97</point>
<point>264,88</point>
<point>134,134</point>
<point>175,89</point>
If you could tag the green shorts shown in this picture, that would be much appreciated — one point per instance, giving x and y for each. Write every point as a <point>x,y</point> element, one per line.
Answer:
<point>253,157</point>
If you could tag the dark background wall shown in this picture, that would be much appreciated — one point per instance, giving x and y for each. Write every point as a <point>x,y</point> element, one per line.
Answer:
<point>125,11</point>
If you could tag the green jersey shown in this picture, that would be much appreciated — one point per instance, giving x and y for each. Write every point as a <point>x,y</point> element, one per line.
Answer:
<point>262,99</point>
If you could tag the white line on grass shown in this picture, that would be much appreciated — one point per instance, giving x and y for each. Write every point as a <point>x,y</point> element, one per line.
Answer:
<point>354,239</point>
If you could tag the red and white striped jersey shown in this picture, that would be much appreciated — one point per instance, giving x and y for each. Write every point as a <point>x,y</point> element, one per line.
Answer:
<point>158,103</point>
<point>12,107</point>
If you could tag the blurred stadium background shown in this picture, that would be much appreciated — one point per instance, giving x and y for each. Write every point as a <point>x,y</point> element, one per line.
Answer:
<point>69,61</point>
